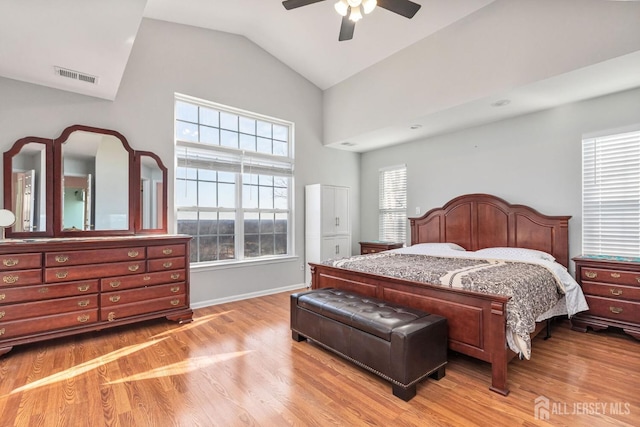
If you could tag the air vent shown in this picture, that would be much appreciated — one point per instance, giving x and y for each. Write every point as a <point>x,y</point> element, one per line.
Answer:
<point>76,75</point>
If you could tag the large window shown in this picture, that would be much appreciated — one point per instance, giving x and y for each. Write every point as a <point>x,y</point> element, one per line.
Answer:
<point>234,182</point>
<point>393,204</point>
<point>611,195</point>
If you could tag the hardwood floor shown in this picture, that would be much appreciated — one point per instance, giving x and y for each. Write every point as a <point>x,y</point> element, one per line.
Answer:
<point>237,365</point>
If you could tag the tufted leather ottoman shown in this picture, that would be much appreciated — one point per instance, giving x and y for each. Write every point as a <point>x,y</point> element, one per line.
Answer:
<point>402,345</point>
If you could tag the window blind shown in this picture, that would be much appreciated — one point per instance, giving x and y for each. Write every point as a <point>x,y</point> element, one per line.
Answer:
<point>611,195</point>
<point>393,204</point>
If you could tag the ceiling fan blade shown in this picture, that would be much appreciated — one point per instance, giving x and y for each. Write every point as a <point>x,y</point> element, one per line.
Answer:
<point>292,4</point>
<point>405,8</point>
<point>346,29</point>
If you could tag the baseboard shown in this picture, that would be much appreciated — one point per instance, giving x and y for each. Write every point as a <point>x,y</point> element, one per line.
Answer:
<point>232,298</point>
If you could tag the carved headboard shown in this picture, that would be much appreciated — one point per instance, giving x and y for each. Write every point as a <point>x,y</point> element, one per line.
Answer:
<point>477,221</point>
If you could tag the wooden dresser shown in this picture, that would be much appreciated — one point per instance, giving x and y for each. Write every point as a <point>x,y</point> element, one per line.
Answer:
<point>376,246</point>
<point>612,289</point>
<point>64,286</point>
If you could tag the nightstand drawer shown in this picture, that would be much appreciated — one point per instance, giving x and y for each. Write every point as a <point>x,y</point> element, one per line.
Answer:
<point>377,246</point>
<point>611,291</point>
<point>614,309</point>
<point>611,276</point>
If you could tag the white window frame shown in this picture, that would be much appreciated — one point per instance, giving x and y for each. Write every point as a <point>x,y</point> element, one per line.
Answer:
<point>387,207</point>
<point>232,159</point>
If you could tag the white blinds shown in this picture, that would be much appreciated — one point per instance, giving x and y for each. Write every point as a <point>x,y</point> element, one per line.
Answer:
<point>611,195</point>
<point>393,204</point>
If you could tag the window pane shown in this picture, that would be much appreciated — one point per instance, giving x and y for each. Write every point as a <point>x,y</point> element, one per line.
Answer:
<point>186,193</point>
<point>264,145</point>
<point>228,139</point>
<point>280,133</point>
<point>266,198</point>
<point>251,223</point>
<point>281,244</point>
<point>187,223</point>
<point>264,129</point>
<point>207,194</point>
<point>266,245</point>
<point>250,197</point>
<point>227,177</point>
<point>228,121</point>
<point>247,126</point>
<point>247,142</point>
<point>206,175</point>
<point>185,172</point>
<point>227,247</point>
<point>208,224</point>
<point>226,195</point>
<point>227,224</point>
<point>251,245</point>
<point>280,198</point>
<point>186,111</point>
<point>281,223</point>
<point>280,148</point>
<point>209,135</point>
<point>265,180</point>
<point>186,131</point>
<point>266,223</point>
<point>209,117</point>
<point>207,248</point>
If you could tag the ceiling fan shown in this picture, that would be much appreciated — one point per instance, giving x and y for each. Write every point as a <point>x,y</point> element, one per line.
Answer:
<point>351,11</point>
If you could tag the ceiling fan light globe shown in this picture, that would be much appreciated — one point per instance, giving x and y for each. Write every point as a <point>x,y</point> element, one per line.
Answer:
<point>342,7</point>
<point>355,14</point>
<point>369,5</point>
<point>354,3</point>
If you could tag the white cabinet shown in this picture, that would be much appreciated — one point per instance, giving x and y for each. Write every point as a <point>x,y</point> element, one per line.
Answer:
<point>327,224</point>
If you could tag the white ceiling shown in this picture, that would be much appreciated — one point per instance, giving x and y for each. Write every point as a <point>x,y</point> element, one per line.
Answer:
<point>95,37</point>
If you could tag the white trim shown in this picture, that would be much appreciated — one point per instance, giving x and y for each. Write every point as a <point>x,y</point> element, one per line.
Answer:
<point>234,263</point>
<point>249,295</point>
<point>609,132</point>
<point>389,168</point>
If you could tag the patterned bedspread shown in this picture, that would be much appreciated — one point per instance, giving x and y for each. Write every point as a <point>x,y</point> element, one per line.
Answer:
<point>533,288</point>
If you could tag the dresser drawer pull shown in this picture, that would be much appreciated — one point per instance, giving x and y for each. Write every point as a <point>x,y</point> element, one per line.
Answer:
<point>84,288</point>
<point>62,274</point>
<point>132,254</point>
<point>146,278</point>
<point>616,292</point>
<point>591,274</point>
<point>167,264</point>
<point>10,279</point>
<point>175,302</point>
<point>83,303</point>
<point>134,267</point>
<point>2,296</point>
<point>111,316</point>
<point>615,275</point>
<point>114,284</point>
<point>114,298</point>
<point>638,279</point>
<point>167,251</point>
<point>84,318</point>
<point>175,289</point>
<point>43,290</point>
<point>1,331</point>
<point>175,276</point>
<point>2,313</point>
<point>10,262</point>
<point>62,258</point>
<point>615,310</point>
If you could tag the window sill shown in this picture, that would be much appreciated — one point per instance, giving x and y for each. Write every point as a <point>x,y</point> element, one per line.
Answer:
<point>220,265</point>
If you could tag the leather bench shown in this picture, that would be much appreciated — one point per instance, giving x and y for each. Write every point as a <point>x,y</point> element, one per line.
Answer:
<point>402,345</point>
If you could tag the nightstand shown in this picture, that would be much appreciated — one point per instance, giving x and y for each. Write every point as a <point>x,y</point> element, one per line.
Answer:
<point>611,286</point>
<point>375,246</point>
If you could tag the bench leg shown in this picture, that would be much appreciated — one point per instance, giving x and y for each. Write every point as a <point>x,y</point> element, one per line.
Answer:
<point>438,374</point>
<point>405,394</point>
<point>297,337</point>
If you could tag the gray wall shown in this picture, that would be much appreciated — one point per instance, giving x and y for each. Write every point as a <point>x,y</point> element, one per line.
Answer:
<point>534,160</point>
<point>229,69</point>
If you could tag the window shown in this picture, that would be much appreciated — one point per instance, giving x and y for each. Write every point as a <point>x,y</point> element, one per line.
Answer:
<point>234,182</point>
<point>611,195</point>
<point>393,204</point>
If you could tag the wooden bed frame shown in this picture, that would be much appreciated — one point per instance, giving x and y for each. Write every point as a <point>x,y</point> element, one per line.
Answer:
<point>477,322</point>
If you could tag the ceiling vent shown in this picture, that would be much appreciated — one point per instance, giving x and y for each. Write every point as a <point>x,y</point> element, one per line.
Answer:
<point>76,75</point>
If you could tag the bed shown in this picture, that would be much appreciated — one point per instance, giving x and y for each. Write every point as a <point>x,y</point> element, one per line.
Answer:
<point>477,320</point>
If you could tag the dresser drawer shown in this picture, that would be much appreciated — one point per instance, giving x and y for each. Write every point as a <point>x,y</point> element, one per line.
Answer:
<point>128,310</point>
<point>625,311</point>
<point>163,264</point>
<point>141,280</point>
<point>62,274</point>
<point>611,291</point>
<point>142,294</point>
<point>46,308</point>
<point>165,251</point>
<point>57,259</point>
<point>20,261</point>
<point>38,325</point>
<point>45,292</point>
<point>20,277</point>
<point>610,276</point>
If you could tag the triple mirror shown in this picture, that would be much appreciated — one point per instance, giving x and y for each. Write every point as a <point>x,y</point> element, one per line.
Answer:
<point>86,182</point>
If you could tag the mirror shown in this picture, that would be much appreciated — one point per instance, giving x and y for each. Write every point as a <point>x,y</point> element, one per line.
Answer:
<point>28,171</point>
<point>153,192</point>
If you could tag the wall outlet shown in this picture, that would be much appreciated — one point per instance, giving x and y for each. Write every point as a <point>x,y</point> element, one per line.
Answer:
<point>417,210</point>
<point>302,266</point>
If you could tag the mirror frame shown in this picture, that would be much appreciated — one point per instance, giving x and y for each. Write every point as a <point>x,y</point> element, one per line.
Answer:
<point>58,191</point>
<point>138,207</point>
<point>49,176</point>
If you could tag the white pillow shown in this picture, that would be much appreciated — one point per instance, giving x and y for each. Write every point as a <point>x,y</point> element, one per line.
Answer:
<point>430,249</point>
<point>515,253</point>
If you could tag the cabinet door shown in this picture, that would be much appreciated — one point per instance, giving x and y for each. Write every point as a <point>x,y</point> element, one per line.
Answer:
<point>336,247</point>
<point>327,205</point>
<point>341,210</point>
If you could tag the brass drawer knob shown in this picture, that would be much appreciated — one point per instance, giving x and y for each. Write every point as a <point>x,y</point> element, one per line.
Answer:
<point>114,298</point>
<point>114,284</point>
<point>175,301</point>
<point>83,303</point>
<point>615,310</point>
<point>167,251</point>
<point>2,296</point>
<point>616,292</point>
<point>175,289</point>
<point>2,314</point>
<point>175,276</point>
<point>167,264</point>
<point>146,278</point>
<point>1,331</point>
<point>43,290</point>
<point>111,316</point>
<point>9,262</point>
<point>10,279</point>
<point>62,258</point>
<point>132,254</point>
<point>83,318</point>
<point>62,274</point>
<point>84,288</point>
<point>134,267</point>
<point>591,274</point>
<point>615,275</point>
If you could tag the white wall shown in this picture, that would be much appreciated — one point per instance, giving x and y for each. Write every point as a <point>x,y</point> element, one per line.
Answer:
<point>534,160</point>
<point>229,69</point>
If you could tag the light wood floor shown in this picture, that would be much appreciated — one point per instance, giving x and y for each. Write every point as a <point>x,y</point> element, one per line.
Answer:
<point>237,365</point>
